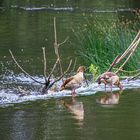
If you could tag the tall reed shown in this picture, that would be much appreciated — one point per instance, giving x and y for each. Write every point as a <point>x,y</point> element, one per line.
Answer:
<point>101,41</point>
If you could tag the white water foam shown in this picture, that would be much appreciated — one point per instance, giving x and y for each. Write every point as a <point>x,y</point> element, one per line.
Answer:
<point>10,96</point>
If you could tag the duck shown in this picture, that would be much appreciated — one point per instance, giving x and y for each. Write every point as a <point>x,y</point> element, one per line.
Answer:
<point>110,78</point>
<point>75,81</point>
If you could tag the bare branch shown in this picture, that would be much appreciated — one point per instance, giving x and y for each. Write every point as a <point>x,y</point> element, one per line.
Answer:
<point>23,69</point>
<point>129,48</point>
<point>56,46</point>
<point>74,65</point>
<point>54,66</point>
<point>45,65</point>
<point>124,71</point>
<point>135,76</point>
<point>86,80</point>
<point>63,41</point>
<point>114,63</point>
<point>60,76</point>
<point>135,45</point>
<point>55,34</point>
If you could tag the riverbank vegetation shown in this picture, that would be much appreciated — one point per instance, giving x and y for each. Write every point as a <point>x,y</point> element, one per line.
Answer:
<point>101,41</point>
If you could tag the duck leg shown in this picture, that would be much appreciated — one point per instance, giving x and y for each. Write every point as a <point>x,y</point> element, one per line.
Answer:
<point>105,89</point>
<point>73,93</point>
<point>111,87</point>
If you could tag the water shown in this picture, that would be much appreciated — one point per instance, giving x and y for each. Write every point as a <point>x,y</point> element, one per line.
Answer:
<point>26,27</point>
<point>58,119</point>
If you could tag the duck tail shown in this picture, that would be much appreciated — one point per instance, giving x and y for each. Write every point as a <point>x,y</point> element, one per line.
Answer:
<point>62,88</point>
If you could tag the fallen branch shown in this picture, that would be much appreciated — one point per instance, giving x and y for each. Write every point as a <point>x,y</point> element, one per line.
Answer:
<point>113,63</point>
<point>128,50</point>
<point>47,82</point>
<point>23,69</point>
<point>54,66</point>
<point>135,45</point>
<point>60,76</point>
<point>134,77</point>
<point>124,71</point>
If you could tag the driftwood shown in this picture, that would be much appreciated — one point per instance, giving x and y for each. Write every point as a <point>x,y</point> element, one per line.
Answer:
<point>134,77</point>
<point>47,79</point>
<point>128,54</point>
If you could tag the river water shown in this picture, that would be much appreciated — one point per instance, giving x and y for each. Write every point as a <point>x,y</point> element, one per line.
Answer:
<point>26,27</point>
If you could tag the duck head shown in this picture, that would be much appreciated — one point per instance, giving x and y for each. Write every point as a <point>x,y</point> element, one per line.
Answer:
<point>81,69</point>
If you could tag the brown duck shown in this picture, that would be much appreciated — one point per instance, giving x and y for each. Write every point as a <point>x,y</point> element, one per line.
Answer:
<point>111,79</point>
<point>75,81</point>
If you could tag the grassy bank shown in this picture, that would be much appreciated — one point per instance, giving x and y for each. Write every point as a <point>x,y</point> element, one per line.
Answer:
<point>101,41</point>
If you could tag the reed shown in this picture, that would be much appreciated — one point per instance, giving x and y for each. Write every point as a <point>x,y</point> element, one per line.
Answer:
<point>101,41</point>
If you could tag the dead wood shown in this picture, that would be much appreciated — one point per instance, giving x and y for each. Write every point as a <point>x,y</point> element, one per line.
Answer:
<point>26,73</point>
<point>45,64</point>
<point>134,46</point>
<point>126,55</point>
<point>48,83</point>
<point>134,77</point>
<point>56,46</point>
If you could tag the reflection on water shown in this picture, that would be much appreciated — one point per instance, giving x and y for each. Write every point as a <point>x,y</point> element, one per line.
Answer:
<point>70,120</point>
<point>76,108</point>
<point>109,99</point>
<point>24,28</point>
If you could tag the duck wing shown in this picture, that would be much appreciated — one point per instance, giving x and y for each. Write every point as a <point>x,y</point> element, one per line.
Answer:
<point>66,82</point>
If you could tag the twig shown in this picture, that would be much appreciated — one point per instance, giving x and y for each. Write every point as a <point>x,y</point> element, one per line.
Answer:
<point>135,71</point>
<point>74,65</point>
<point>23,69</point>
<point>135,76</point>
<point>45,66</point>
<point>135,45</point>
<point>60,76</point>
<point>54,66</point>
<point>113,63</point>
<point>63,41</point>
<point>129,48</point>
<point>56,46</point>
<point>86,80</point>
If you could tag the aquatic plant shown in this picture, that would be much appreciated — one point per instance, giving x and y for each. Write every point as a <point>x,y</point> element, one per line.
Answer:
<point>94,70</point>
<point>100,41</point>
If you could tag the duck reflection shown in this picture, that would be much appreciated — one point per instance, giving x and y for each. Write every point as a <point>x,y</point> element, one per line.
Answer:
<point>109,99</point>
<point>75,107</point>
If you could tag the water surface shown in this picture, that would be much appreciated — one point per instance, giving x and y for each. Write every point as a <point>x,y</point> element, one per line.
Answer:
<point>26,27</point>
<point>52,119</point>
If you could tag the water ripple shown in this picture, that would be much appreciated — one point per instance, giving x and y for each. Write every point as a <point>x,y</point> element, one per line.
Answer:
<point>71,9</point>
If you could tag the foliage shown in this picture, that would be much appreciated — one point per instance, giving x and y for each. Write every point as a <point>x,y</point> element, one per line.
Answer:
<point>94,70</point>
<point>101,41</point>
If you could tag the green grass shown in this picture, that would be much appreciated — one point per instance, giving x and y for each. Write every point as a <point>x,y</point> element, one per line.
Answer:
<point>101,41</point>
